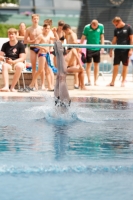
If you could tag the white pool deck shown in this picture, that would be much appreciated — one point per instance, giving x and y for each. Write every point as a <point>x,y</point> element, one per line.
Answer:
<point>101,91</point>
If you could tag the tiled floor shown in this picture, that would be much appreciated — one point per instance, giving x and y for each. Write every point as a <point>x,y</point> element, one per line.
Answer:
<point>100,91</point>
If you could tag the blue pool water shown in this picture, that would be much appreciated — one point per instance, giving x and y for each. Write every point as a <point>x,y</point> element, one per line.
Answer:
<point>85,153</point>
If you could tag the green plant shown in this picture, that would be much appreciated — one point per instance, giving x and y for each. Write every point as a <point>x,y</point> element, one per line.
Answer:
<point>5,27</point>
<point>9,1</point>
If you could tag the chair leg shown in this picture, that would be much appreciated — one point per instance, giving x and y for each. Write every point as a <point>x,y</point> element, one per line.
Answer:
<point>18,85</point>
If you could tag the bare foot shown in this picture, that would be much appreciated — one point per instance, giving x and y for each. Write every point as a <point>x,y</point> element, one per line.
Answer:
<point>44,89</point>
<point>123,84</point>
<point>36,86</point>
<point>84,88</point>
<point>95,84</point>
<point>13,90</point>
<point>4,89</point>
<point>111,85</point>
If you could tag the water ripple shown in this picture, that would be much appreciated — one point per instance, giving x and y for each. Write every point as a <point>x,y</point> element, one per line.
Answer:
<point>36,170</point>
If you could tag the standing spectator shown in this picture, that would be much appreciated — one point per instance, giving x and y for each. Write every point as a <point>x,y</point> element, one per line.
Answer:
<point>21,32</point>
<point>44,56</point>
<point>123,35</point>
<point>31,34</point>
<point>13,56</point>
<point>94,33</point>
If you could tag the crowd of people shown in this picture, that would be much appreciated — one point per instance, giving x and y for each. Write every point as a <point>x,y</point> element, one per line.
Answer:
<point>13,54</point>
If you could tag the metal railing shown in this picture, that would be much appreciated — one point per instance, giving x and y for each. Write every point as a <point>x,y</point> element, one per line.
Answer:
<point>106,65</point>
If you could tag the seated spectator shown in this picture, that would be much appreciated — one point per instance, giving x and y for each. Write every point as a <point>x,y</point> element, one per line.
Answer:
<point>73,63</point>
<point>71,38</point>
<point>60,31</point>
<point>61,36</point>
<point>13,56</point>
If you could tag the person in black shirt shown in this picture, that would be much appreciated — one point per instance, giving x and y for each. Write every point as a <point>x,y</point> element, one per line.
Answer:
<point>123,35</point>
<point>13,56</point>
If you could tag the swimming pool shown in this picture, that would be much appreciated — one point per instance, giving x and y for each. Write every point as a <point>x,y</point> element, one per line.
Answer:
<point>86,153</point>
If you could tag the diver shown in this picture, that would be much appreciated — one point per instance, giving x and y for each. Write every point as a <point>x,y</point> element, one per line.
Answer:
<point>60,91</point>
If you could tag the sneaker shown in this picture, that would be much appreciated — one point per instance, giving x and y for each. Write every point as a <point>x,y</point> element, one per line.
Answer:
<point>87,84</point>
<point>30,89</point>
<point>76,87</point>
<point>23,90</point>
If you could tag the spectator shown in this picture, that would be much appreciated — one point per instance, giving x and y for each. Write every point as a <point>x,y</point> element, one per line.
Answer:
<point>13,56</point>
<point>123,35</point>
<point>73,64</point>
<point>60,31</point>
<point>94,33</point>
<point>21,32</point>
<point>31,34</point>
<point>61,35</point>
<point>71,38</point>
<point>44,56</point>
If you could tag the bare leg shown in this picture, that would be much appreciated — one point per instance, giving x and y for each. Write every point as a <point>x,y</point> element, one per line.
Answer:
<point>5,68</point>
<point>88,71</point>
<point>124,74</point>
<point>42,61</point>
<point>80,71</point>
<point>49,78</point>
<point>43,80</point>
<point>76,82</point>
<point>18,69</point>
<point>54,60</point>
<point>52,77</point>
<point>33,59</point>
<point>115,72</point>
<point>96,72</point>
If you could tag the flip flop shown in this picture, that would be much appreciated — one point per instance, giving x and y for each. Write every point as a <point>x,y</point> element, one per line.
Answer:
<point>87,84</point>
<point>76,87</point>
<point>50,90</point>
<point>30,89</point>
<point>23,90</point>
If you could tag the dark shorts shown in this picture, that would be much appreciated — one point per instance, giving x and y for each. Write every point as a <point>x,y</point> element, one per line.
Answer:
<point>36,50</point>
<point>92,54</point>
<point>121,56</point>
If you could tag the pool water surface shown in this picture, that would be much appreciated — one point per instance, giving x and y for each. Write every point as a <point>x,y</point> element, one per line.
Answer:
<point>83,153</point>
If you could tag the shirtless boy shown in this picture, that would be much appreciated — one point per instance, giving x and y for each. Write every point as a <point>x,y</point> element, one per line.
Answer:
<point>31,34</point>
<point>43,56</point>
<point>72,58</point>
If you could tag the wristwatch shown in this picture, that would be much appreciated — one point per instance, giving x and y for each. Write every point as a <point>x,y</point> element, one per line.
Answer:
<point>116,2</point>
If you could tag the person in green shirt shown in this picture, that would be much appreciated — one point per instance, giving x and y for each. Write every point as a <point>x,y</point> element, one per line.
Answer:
<point>93,33</point>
